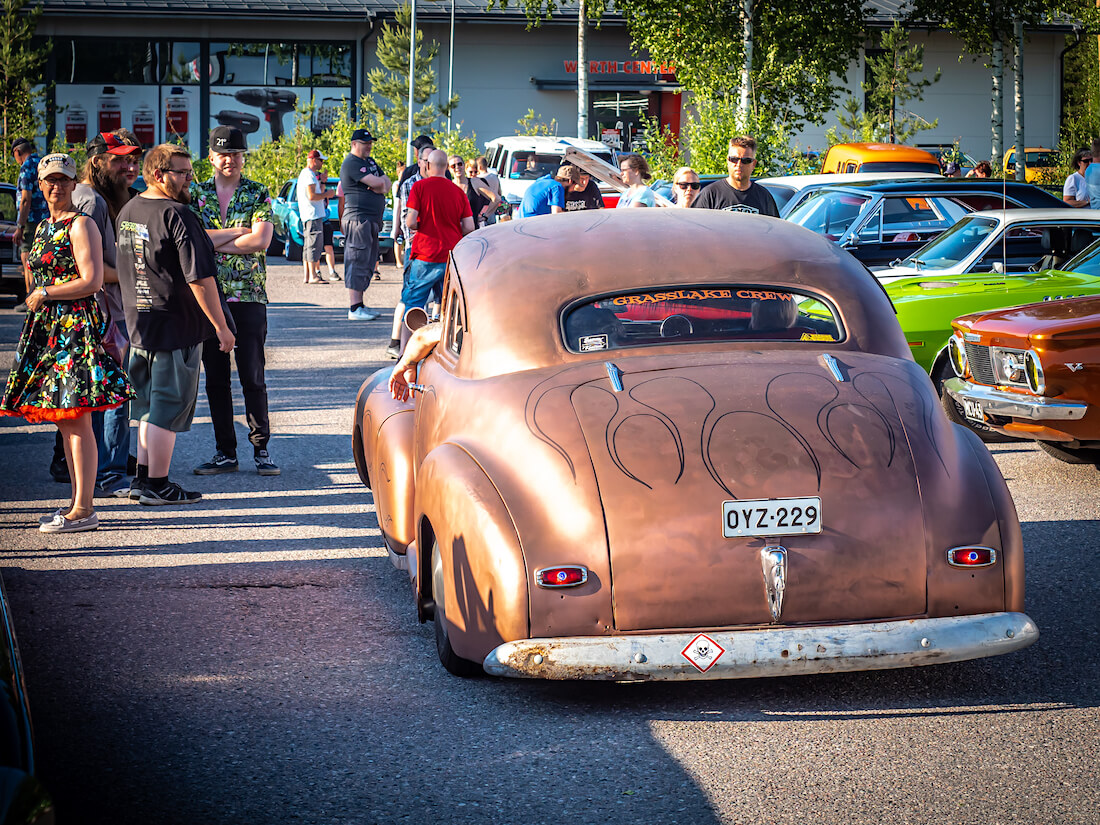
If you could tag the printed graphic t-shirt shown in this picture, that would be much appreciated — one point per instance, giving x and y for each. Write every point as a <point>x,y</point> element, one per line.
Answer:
<point>162,248</point>
<point>590,198</point>
<point>360,202</point>
<point>440,207</point>
<point>720,195</point>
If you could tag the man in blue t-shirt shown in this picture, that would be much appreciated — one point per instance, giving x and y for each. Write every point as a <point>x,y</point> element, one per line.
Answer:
<point>1092,177</point>
<point>546,196</point>
<point>32,205</point>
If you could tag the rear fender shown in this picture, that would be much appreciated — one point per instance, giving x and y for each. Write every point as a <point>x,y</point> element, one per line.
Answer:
<point>486,600</point>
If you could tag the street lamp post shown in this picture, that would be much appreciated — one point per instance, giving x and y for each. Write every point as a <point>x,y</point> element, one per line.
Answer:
<point>412,85</point>
<point>451,69</point>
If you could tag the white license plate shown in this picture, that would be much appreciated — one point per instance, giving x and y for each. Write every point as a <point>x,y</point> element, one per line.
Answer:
<point>771,517</point>
<point>973,410</point>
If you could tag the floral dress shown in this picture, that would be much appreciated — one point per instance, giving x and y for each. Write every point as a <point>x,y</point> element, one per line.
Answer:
<point>61,370</point>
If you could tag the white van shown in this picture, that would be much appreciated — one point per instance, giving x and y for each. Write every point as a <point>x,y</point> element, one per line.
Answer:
<point>519,160</point>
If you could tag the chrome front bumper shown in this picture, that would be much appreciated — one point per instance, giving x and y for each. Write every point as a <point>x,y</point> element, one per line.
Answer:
<point>751,654</point>
<point>1014,405</point>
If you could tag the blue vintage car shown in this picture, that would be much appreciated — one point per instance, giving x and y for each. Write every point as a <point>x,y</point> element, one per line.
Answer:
<point>287,239</point>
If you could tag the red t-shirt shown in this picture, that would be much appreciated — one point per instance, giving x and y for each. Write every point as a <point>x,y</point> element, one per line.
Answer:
<point>440,207</point>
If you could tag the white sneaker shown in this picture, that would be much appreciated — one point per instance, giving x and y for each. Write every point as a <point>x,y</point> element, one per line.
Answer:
<point>361,314</point>
<point>334,276</point>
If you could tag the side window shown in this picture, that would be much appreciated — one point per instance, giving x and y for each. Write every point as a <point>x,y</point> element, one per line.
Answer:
<point>872,230</point>
<point>456,323</point>
<point>285,193</point>
<point>1022,246</point>
<point>8,210</point>
<point>850,166</point>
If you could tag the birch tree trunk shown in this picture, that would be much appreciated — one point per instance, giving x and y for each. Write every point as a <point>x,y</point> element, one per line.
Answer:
<point>746,65</point>
<point>582,71</point>
<point>996,150</point>
<point>1018,71</point>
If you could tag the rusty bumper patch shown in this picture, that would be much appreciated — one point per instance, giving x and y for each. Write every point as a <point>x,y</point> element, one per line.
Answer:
<point>762,653</point>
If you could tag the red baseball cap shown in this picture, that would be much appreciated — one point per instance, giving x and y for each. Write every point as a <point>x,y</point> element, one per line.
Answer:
<point>316,155</point>
<point>105,142</point>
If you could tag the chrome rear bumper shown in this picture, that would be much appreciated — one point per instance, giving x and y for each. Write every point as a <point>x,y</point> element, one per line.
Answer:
<point>1014,405</point>
<point>751,654</point>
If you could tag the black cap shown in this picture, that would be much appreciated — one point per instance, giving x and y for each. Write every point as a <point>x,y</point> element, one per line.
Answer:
<point>421,141</point>
<point>227,139</point>
<point>19,143</point>
<point>362,135</point>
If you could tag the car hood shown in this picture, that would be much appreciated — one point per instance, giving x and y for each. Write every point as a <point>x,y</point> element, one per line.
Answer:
<point>1049,319</point>
<point>674,444</point>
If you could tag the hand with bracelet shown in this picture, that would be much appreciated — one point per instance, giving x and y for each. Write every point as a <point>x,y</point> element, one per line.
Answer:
<point>37,298</point>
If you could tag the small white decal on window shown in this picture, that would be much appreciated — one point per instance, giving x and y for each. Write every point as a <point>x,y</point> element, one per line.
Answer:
<point>591,343</point>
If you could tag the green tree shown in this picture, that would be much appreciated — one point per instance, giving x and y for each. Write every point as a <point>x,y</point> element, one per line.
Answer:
<point>533,124</point>
<point>21,64</point>
<point>390,83</point>
<point>892,84</point>
<point>798,53</point>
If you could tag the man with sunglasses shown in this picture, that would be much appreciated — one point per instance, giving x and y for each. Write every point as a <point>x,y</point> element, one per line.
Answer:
<point>685,187</point>
<point>737,192</point>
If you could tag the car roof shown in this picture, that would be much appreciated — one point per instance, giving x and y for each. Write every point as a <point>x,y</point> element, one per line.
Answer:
<point>517,276</point>
<point>1011,216</point>
<point>800,182</point>
<point>542,143</point>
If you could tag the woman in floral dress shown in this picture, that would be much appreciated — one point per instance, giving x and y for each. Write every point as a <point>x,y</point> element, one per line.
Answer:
<point>61,371</point>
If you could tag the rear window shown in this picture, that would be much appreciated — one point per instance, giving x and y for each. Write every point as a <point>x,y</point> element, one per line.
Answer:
<point>731,313</point>
<point>900,166</point>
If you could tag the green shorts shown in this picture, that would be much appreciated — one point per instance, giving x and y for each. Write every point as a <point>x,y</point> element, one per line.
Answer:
<point>28,237</point>
<point>166,386</point>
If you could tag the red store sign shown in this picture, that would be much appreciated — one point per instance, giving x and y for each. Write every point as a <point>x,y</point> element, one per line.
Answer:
<point>621,67</point>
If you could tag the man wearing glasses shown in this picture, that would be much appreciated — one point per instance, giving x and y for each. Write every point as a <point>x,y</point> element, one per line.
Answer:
<point>167,272</point>
<point>737,192</point>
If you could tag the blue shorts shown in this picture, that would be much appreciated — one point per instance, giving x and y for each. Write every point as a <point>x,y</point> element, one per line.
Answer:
<point>420,277</point>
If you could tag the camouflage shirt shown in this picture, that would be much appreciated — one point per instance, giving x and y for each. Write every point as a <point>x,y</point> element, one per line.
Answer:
<point>241,277</point>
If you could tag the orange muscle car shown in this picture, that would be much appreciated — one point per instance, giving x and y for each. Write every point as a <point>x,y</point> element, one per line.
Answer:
<point>752,477</point>
<point>1030,372</point>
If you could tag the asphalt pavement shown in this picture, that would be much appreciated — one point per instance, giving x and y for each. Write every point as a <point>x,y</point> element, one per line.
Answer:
<point>255,658</point>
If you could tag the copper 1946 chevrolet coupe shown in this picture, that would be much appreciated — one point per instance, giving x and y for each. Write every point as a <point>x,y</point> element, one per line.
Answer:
<point>684,444</point>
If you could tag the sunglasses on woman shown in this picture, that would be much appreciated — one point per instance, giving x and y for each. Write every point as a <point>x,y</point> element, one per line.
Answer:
<point>685,184</point>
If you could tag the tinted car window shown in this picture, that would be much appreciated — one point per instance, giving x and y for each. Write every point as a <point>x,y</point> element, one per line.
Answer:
<point>8,210</point>
<point>736,312</point>
<point>829,213</point>
<point>899,166</point>
<point>529,165</point>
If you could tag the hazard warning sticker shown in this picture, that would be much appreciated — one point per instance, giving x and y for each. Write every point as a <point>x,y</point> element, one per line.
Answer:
<point>703,652</point>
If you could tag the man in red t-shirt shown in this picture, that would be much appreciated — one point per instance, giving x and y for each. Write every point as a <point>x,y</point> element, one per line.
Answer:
<point>439,213</point>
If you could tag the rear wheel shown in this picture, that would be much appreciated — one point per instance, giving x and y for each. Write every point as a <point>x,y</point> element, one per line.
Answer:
<point>1070,455</point>
<point>955,412</point>
<point>277,246</point>
<point>454,663</point>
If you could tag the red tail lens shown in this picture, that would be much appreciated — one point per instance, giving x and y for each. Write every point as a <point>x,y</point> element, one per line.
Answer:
<point>564,576</point>
<point>971,556</point>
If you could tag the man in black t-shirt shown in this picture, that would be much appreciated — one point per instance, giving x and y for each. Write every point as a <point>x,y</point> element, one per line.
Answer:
<point>737,192</point>
<point>583,194</point>
<point>166,270</point>
<point>365,188</point>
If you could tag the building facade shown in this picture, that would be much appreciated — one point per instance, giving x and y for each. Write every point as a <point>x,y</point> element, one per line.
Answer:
<point>171,73</point>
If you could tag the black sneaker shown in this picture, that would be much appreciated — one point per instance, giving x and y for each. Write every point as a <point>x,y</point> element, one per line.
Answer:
<point>220,463</point>
<point>170,493</point>
<point>264,465</point>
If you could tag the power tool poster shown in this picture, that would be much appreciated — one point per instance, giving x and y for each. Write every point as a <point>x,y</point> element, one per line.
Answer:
<point>172,114</point>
